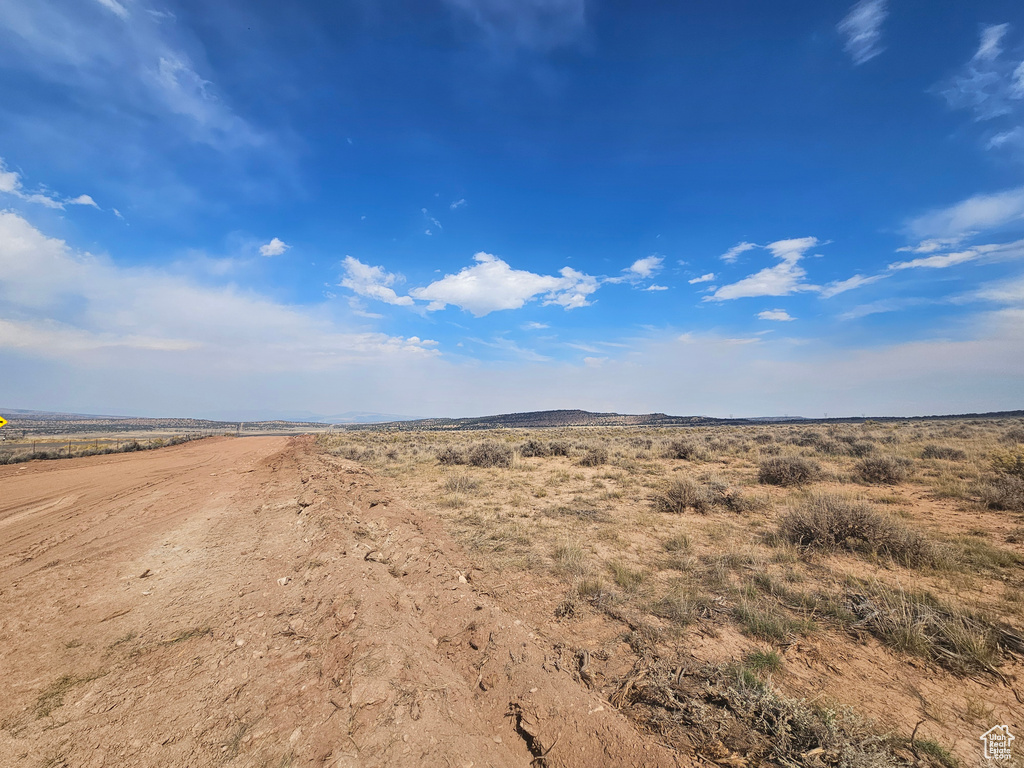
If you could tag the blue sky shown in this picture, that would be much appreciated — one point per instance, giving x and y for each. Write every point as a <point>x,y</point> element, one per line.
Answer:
<point>473,206</point>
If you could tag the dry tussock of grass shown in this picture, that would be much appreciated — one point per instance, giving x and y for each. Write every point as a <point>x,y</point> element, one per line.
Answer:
<point>827,521</point>
<point>727,711</point>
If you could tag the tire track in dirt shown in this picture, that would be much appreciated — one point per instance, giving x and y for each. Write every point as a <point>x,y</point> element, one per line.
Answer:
<point>255,602</point>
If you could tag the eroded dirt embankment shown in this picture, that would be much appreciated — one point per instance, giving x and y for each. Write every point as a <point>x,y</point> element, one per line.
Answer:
<point>254,602</point>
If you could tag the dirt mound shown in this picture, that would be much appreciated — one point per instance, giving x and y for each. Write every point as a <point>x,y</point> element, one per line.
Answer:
<point>255,602</point>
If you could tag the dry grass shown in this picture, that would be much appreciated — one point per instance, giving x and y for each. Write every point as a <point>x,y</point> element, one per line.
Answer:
<point>830,522</point>
<point>760,535</point>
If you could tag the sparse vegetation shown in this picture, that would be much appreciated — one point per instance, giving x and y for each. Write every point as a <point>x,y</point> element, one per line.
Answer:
<point>884,469</point>
<point>943,452</point>
<point>830,522</point>
<point>489,454</point>
<point>651,539</point>
<point>788,470</point>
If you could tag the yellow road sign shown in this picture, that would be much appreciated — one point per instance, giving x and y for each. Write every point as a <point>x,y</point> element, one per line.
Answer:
<point>2,421</point>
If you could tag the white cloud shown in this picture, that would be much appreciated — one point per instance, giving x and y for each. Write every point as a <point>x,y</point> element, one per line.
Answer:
<point>784,278</point>
<point>432,220</point>
<point>734,253</point>
<point>372,282</point>
<point>1008,292</point>
<point>11,184</point>
<point>862,28</point>
<point>991,38</point>
<point>114,7</point>
<point>543,24</point>
<point>887,305</point>
<point>10,181</point>
<point>274,248</point>
<point>146,68</point>
<point>992,252</point>
<point>842,286</point>
<point>653,287</point>
<point>935,244</point>
<point>534,326</point>
<point>456,204</point>
<point>641,269</point>
<point>41,198</point>
<point>59,304</point>
<point>779,315</point>
<point>702,279</point>
<point>991,86</point>
<point>82,200</point>
<point>977,213</point>
<point>493,285</point>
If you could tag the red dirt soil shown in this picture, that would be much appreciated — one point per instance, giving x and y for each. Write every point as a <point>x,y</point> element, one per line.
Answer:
<point>255,602</point>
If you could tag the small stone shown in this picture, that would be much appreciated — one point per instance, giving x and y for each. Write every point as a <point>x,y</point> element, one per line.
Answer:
<point>283,580</point>
<point>497,739</point>
<point>239,642</point>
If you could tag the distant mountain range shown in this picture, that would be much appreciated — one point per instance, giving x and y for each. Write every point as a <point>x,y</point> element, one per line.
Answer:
<point>355,420</point>
<point>578,418</point>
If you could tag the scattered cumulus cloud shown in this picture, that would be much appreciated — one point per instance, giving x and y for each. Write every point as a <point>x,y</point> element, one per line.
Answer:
<point>534,326</point>
<point>83,200</point>
<point>734,253</point>
<point>436,224</point>
<point>842,286</point>
<point>11,184</point>
<point>371,282</point>
<point>274,248</point>
<point>702,279</point>
<point>644,268</point>
<point>784,278</point>
<point>56,303</point>
<point>456,204</point>
<point>778,315</point>
<point>491,285</point>
<point>654,287</point>
<point>862,28</point>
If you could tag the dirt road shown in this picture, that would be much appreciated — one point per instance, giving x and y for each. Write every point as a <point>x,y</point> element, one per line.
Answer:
<point>254,602</point>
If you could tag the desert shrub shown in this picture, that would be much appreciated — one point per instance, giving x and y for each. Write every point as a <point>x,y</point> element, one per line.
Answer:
<point>787,470</point>
<point>559,448</point>
<point>594,456</point>
<point>763,438</point>
<point>689,450</point>
<point>450,455</point>
<point>1014,435</point>
<point>770,449</point>
<point>685,493</point>
<point>830,522</point>
<point>534,448</point>
<point>883,469</point>
<point>1005,492</point>
<point>861,448</point>
<point>1009,463</point>
<point>932,451</point>
<point>489,454</point>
